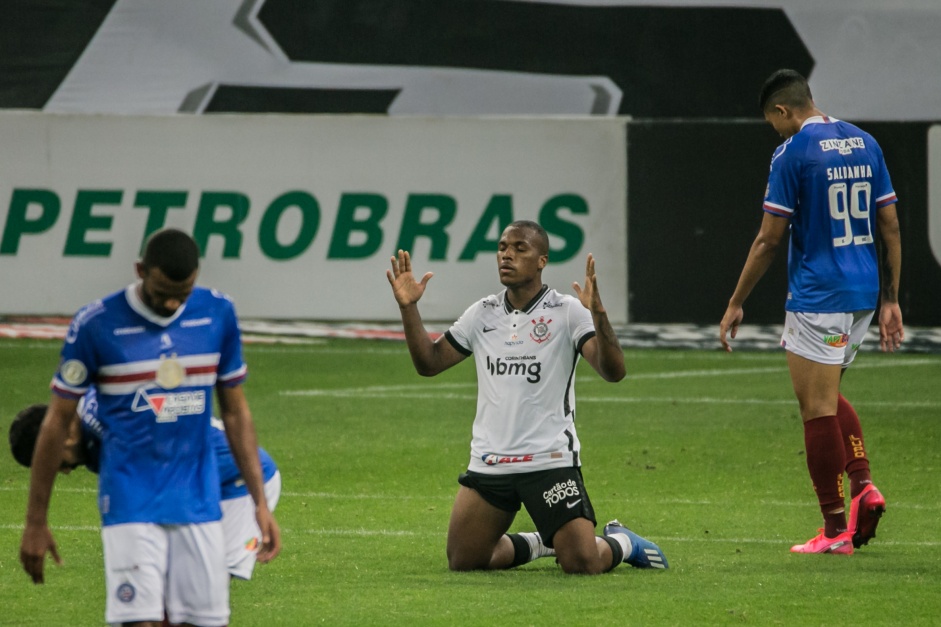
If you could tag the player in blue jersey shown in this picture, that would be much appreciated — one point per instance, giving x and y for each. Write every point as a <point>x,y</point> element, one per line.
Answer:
<point>83,448</point>
<point>156,351</point>
<point>829,186</point>
<point>526,341</point>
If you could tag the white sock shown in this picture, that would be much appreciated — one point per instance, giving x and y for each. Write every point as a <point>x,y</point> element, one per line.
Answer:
<point>536,548</point>
<point>625,542</point>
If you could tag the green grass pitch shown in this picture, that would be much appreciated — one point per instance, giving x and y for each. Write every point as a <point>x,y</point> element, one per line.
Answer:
<point>700,451</point>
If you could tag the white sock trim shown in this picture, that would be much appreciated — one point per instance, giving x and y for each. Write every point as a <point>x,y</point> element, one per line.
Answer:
<point>625,542</point>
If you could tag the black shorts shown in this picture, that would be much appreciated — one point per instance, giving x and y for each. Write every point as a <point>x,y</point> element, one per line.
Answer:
<point>552,497</point>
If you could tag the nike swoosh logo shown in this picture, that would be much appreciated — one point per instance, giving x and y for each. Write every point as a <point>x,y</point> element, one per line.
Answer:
<point>573,504</point>
<point>489,329</point>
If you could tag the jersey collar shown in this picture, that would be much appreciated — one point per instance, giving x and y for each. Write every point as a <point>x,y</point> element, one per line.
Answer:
<point>818,119</point>
<point>529,306</point>
<point>134,300</point>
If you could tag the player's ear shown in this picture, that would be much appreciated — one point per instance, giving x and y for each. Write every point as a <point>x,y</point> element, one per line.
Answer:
<point>141,270</point>
<point>543,260</point>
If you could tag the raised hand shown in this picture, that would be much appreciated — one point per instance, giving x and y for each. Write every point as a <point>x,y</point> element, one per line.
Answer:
<point>589,297</point>
<point>405,288</point>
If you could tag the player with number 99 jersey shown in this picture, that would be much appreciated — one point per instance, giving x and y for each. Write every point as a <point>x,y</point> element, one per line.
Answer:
<point>830,179</point>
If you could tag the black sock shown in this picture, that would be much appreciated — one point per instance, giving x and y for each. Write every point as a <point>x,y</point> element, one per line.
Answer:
<point>617,553</point>
<point>521,552</point>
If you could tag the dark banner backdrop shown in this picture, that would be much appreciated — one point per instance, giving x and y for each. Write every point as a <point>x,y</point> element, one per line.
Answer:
<point>694,206</point>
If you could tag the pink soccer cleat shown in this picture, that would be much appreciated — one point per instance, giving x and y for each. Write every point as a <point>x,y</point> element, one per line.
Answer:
<point>865,511</point>
<point>840,545</point>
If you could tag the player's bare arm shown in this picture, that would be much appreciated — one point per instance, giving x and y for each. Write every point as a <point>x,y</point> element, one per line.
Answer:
<point>47,458</point>
<point>240,432</point>
<point>763,251</point>
<point>891,331</point>
<point>603,351</point>
<point>429,357</point>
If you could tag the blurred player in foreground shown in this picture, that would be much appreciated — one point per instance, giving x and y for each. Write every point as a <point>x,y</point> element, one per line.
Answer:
<point>156,352</point>
<point>830,188</point>
<point>83,448</point>
<point>527,341</point>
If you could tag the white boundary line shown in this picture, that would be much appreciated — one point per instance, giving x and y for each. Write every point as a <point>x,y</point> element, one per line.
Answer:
<point>450,497</point>
<point>366,533</point>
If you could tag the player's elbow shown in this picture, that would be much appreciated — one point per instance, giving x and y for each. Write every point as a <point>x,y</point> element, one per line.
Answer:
<point>426,368</point>
<point>612,372</point>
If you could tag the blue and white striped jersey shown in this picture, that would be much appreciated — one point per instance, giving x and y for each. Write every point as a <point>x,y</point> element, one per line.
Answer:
<point>155,378</point>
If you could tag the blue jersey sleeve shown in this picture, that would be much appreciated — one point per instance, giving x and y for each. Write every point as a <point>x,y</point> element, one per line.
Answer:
<point>885,194</point>
<point>783,192</point>
<point>232,368</point>
<point>79,359</point>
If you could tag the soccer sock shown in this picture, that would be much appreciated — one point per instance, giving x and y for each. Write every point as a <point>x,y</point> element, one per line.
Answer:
<point>857,463</point>
<point>528,547</point>
<point>825,461</point>
<point>620,547</point>
<point>536,545</point>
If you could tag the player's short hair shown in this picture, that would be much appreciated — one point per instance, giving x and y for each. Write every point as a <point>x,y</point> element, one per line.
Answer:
<point>785,87</point>
<point>173,252</point>
<point>540,239</point>
<point>24,431</point>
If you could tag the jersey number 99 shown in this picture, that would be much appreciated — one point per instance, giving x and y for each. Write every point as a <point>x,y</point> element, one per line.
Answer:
<point>858,207</point>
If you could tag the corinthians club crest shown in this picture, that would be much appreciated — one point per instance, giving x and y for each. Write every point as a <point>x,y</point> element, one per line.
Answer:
<point>540,332</point>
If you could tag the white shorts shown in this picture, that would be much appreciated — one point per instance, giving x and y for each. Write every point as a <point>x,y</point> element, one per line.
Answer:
<point>826,338</point>
<point>242,535</point>
<point>184,565</point>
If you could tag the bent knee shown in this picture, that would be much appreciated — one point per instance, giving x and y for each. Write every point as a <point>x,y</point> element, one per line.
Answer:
<point>577,565</point>
<point>460,563</point>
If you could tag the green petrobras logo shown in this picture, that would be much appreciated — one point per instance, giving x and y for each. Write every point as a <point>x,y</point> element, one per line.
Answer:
<point>362,227</point>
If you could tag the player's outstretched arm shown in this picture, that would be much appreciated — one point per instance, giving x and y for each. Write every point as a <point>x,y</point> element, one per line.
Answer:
<point>763,250</point>
<point>47,458</point>
<point>603,351</point>
<point>240,432</point>
<point>429,357</point>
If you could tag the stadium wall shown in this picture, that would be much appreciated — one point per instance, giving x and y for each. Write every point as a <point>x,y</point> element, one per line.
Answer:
<point>298,215</point>
<point>685,71</point>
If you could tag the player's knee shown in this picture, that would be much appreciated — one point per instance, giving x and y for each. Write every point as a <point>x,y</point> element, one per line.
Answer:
<point>578,564</point>
<point>463,561</point>
<point>462,565</point>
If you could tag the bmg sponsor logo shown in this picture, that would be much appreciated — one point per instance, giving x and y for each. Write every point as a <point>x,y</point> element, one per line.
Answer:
<point>523,365</point>
<point>560,492</point>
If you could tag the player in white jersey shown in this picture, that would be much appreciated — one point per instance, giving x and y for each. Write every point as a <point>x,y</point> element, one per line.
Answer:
<point>156,352</point>
<point>829,186</point>
<point>526,342</point>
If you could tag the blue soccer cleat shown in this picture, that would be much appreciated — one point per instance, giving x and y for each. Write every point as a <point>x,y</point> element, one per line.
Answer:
<point>644,553</point>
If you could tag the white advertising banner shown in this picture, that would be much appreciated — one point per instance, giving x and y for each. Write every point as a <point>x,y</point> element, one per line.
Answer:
<point>297,216</point>
<point>934,191</point>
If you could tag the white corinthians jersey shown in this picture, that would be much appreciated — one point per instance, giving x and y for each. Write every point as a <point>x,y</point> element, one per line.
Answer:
<point>525,379</point>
